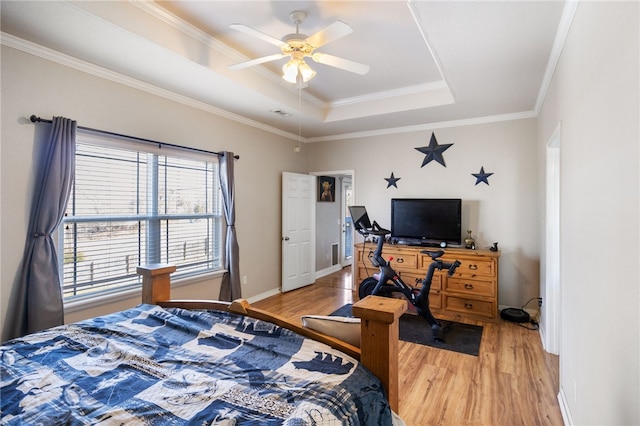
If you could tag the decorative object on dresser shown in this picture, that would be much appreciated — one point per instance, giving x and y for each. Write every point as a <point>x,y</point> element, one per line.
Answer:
<point>469,242</point>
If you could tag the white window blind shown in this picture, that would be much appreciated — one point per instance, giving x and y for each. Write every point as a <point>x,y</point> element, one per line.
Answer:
<point>131,207</point>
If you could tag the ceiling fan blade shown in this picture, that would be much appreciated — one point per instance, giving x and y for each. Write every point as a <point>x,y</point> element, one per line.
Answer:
<point>253,32</point>
<point>257,61</point>
<point>345,64</point>
<point>330,33</point>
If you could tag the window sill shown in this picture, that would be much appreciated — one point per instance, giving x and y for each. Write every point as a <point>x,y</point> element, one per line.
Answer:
<point>92,302</point>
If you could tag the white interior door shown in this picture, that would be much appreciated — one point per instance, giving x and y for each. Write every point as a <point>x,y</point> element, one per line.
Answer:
<point>298,230</point>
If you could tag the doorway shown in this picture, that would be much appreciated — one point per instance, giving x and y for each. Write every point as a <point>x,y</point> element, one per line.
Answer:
<point>334,241</point>
<point>347,224</point>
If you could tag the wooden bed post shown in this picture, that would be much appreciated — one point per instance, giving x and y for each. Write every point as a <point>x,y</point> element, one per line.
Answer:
<point>156,282</point>
<point>379,340</point>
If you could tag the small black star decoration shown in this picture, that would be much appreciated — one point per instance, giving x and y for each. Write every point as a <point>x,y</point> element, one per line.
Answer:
<point>434,151</point>
<point>391,181</point>
<point>482,176</point>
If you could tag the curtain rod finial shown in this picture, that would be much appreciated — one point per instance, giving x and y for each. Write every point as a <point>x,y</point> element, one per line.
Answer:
<point>34,118</point>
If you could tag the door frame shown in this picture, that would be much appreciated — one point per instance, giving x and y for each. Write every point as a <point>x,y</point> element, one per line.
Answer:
<point>344,261</point>
<point>341,173</point>
<point>552,289</point>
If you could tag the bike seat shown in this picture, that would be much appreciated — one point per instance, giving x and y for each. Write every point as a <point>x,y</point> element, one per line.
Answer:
<point>433,254</point>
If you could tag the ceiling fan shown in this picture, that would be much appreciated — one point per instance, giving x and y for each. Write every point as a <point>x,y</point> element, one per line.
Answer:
<point>298,47</point>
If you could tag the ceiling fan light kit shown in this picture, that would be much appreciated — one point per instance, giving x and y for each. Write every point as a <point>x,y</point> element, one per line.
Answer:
<point>298,47</point>
<point>297,67</point>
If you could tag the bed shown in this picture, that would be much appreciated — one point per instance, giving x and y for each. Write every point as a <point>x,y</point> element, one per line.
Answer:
<point>171,362</point>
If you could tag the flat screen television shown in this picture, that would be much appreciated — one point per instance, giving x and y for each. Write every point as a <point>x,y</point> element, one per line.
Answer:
<point>426,221</point>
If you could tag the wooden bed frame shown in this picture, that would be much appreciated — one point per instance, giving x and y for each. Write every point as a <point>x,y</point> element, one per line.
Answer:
<point>379,324</point>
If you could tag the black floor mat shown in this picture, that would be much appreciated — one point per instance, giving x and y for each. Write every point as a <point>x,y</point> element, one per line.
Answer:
<point>458,337</point>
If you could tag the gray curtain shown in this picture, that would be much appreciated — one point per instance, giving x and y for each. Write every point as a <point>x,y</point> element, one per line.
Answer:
<point>230,288</point>
<point>38,297</point>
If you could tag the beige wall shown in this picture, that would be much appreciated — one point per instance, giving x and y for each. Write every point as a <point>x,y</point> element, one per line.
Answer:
<point>595,95</point>
<point>503,211</point>
<point>31,85</point>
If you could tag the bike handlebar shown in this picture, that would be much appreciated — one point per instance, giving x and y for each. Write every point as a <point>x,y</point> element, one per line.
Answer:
<point>453,267</point>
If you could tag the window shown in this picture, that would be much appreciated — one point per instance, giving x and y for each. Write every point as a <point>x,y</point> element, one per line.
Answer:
<point>130,206</point>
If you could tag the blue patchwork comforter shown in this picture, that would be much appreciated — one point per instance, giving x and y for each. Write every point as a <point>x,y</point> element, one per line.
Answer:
<point>154,366</point>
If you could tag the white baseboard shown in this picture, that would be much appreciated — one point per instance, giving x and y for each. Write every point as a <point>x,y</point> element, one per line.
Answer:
<point>269,293</point>
<point>327,271</point>
<point>264,295</point>
<point>541,331</point>
<point>564,408</point>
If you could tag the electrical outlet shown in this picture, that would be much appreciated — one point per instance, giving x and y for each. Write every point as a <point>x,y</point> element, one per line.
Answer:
<point>540,302</point>
<point>244,279</point>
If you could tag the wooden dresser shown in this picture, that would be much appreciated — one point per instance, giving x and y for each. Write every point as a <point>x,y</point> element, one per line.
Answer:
<point>470,293</point>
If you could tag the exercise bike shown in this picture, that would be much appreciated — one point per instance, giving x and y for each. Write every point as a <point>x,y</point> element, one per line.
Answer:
<point>387,282</point>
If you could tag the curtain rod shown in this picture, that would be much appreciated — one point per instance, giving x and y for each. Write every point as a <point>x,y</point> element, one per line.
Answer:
<point>35,118</point>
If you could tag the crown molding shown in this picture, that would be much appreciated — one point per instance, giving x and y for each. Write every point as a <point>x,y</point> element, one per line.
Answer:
<point>568,12</point>
<point>388,94</point>
<point>95,70</point>
<point>202,37</point>
<point>428,126</point>
<point>86,67</point>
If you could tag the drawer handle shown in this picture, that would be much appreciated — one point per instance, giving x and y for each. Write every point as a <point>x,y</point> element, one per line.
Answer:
<point>399,260</point>
<point>468,305</point>
<point>473,267</point>
<point>468,286</point>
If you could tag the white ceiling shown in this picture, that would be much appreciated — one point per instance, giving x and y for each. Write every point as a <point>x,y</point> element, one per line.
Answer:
<point>431,62</point>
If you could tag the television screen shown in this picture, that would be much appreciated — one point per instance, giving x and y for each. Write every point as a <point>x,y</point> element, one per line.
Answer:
<point>427,221</point>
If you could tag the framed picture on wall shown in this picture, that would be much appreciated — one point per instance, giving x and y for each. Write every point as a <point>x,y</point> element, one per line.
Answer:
<point>326,188</point>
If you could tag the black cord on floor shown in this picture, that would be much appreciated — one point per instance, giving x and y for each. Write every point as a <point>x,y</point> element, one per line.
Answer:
<point>535,325</point>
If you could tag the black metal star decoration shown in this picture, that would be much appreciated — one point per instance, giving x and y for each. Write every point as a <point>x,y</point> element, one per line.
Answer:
<point>392,181</point>
<point>434,151</point>
<point>482,176</point>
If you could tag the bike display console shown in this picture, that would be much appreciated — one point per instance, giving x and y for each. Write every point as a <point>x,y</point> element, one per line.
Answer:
<point>470,293</point>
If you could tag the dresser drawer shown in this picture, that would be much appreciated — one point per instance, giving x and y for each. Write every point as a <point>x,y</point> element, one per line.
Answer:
<point>364,273</point>
<point>475,268</point>
<point>435,300</point>
<point>467,306</point>
<point>472,287</point>
<point>401,260</point>
<point>414,279</point>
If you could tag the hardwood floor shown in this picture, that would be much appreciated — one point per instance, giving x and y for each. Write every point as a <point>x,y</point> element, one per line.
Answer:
<point>512,382</point>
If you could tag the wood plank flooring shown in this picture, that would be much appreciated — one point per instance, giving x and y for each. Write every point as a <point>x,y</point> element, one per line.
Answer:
<point>512,382</point>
